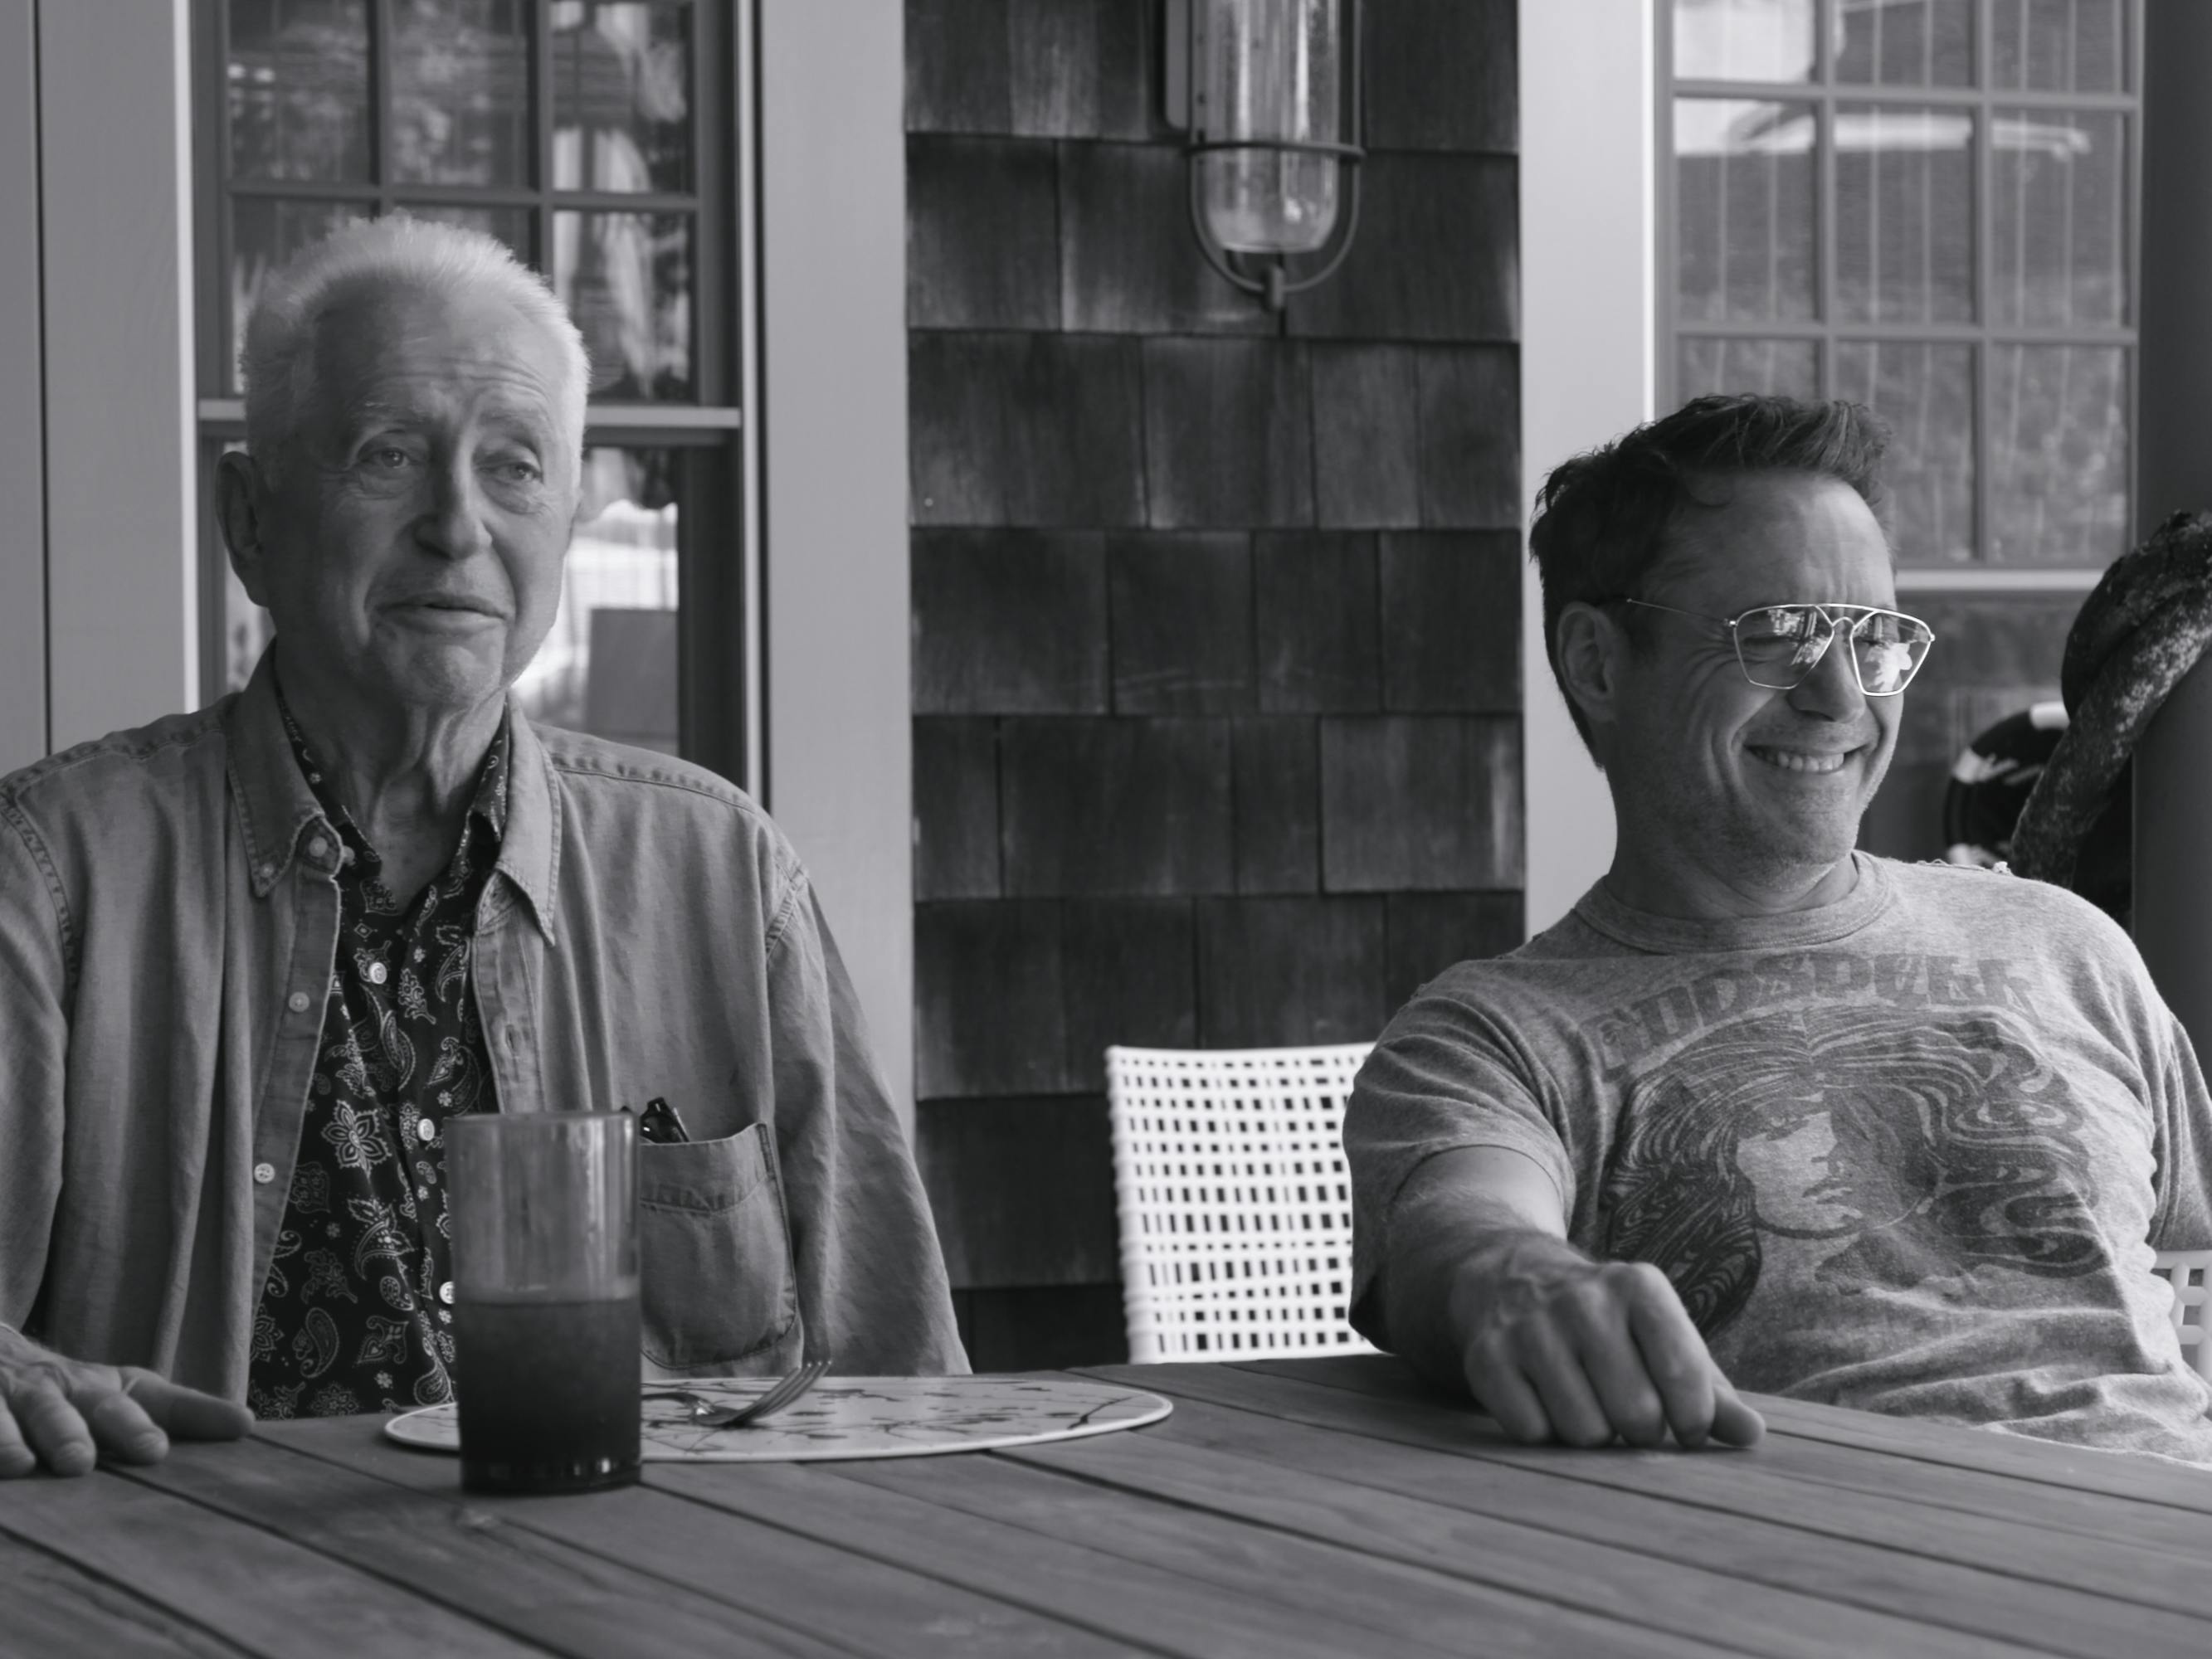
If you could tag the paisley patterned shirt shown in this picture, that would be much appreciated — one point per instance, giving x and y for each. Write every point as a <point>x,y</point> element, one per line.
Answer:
<point>355,1314</point>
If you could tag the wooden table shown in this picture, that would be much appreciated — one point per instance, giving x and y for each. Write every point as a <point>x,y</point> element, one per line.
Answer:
<point>1316,1507</point>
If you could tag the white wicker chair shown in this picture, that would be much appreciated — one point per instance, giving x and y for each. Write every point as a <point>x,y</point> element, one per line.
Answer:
<point>2186,1271</point>
<point>1236,1205</point>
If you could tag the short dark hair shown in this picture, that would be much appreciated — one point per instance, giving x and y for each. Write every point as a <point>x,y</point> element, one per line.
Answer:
<point>1603,519</point>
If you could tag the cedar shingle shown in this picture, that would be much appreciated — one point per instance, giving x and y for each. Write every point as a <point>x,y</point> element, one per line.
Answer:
<point>1430,931</point>
<point>1284,971</point>
<point>1115,806</point>
<point>981,233</point>
<point>1367,436</point>
<point>1278,784</point>
<point>1421,803</point>
<point>1452,622</point>
<point>1315,595</point>
<point>955,809</point>
<point>1009,623</point>
<point>1228,437</point>
<point>1411,106</point>
<point>1022,1189</point>
<point>988,999</point>
<point>1024,429</point>
<point>1129,263</point>
<point>1182,621</point>
<point>1470,459</point>
<point>1436,257</point>
<point>1128,966</point>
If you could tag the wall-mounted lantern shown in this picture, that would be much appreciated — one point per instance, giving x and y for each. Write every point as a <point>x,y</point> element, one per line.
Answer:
<point>1267,93</point>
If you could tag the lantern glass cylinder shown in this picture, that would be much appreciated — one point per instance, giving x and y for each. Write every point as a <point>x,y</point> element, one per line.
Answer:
<point>1270,70</point>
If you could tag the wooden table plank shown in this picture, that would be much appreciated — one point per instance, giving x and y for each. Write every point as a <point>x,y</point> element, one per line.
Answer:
<point>1848,1462</point>
<point>731,1557</point>
<point>1148,1606</point>
<point>1406,1606</point>
<point>49,1606</point>
<point>269,1595</point>
<point>1740,1483</point>
<point>1585,1493</point>
<point>2051,1463</point>
<point>1183,1461</point>
<point>562,1599</point>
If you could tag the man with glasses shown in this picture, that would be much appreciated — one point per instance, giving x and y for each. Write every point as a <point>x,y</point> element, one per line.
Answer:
<point>1764,1111</point>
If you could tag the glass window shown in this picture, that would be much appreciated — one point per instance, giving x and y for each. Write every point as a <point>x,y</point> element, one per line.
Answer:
<point>1926,206</point>
<point>583,134</point>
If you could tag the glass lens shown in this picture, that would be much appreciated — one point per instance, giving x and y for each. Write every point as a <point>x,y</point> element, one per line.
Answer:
<point>1744,203</point>
<point>1906,43</point>
<point>1781,644</point>
<point>297,79</point>
<point>1743,39</point>
<point>460,92</point>
<point>1789,368</point>
<point>626,278</point>
<point>1890,649</point>
<point>2058,448</point>
<point>621,97</point>
<point>1261,201</point>
<point>264,233</point>
<point>609,665</point>
<point>2058,218</point>
<point>2058,45</point>
<point>1904,214</point>
<point>1925,393</point>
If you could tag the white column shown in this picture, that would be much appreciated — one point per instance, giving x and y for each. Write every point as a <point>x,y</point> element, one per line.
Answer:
<point>115,158</point>
<point>22,436</point>
<point>834,450</point>
<point>1587,310</point>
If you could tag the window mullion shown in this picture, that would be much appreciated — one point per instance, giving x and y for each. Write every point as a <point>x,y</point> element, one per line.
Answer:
<point>381,101</point>
<point>1984,279</point>
<point>541,112</point>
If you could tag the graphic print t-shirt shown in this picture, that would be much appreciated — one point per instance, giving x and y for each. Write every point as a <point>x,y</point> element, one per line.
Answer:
<point>1911,1152</point>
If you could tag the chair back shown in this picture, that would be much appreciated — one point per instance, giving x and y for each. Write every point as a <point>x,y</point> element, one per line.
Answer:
<point>2185,1271</point>
<point>1236,1205</point>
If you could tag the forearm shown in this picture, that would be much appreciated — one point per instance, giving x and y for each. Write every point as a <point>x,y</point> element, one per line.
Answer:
<point>1458,1247</point>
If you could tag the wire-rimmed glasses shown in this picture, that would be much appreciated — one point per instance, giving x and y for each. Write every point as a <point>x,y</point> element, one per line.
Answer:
<point>1779,646</point>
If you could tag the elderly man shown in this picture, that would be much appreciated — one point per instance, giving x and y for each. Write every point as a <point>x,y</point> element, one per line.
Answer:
<point>253,960</point>
<point>1764,1111</point>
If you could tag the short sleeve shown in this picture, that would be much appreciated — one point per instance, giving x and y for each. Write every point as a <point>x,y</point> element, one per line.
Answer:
<point>1445,1075</point>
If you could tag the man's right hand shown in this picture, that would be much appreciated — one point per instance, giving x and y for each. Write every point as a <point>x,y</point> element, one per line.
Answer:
<point>1486,1292</point>
<point>68,1414</point>
<point>1557,1346</point>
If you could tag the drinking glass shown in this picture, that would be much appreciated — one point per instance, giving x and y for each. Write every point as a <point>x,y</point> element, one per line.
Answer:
<point>545,1303</point>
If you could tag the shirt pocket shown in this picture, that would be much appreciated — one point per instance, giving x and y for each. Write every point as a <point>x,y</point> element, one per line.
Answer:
<point>714,1250</point>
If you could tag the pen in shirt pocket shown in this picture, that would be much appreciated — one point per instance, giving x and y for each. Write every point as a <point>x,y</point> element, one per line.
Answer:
<point>660,1124</point>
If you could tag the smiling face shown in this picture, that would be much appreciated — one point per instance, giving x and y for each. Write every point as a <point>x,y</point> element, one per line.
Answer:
<point>1716,778</point>
<point>411,547</point>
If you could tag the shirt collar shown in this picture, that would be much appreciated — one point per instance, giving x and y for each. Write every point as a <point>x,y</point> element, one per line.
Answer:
<point>276,803</point>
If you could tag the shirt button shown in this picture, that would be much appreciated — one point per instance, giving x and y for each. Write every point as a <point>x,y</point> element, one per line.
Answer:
<point>378,973</point>
<point>446,1291</point>
<point>297,1002</point>
<point>264,1174</point>
<point>265,871</point>
<point>426,1131</point>
<point>319,848</point>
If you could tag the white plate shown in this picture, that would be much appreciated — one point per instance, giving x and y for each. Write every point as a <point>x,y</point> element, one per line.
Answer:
<point>854,1417</point>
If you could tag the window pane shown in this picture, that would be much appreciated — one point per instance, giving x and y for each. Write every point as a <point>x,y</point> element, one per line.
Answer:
<point>626,278</point>
<point>1743,210</point>
<point>510,225</point>
<point>1904,214</point>
<point>609,665</point>
<point>621,97</point>
<point>297,76</point>
<point>2058,218</point>
<point>264,233</point>
<point>2058,454</point>
<point>1743,39</point>
<point>460,92</point>
<point>1788,367</point>
<point>2058,45</point>
<point>1926,395</point>
<point>1906,43</point>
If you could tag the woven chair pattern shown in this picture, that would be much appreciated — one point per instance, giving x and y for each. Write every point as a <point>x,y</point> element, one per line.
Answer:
<point>2185,1271</point>
<point>1236,1205</point>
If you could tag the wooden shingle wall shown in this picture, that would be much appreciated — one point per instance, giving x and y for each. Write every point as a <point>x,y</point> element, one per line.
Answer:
<point>1216,616</point>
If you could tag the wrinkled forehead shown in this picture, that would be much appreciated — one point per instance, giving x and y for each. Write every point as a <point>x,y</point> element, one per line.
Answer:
<point>1768,537</point>
<point>406,348</point>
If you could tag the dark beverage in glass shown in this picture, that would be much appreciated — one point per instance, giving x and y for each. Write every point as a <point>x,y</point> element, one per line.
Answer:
<point>548,1391</point>
<point>545,1303</point>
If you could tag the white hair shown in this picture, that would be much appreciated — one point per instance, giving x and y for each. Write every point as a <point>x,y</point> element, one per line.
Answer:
<point>278,360</point>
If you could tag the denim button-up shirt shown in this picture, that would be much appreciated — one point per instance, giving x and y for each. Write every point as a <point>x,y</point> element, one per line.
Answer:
<point>168,919</point>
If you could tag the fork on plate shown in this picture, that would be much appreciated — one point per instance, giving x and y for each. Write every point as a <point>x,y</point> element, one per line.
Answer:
<point>705,1413</point>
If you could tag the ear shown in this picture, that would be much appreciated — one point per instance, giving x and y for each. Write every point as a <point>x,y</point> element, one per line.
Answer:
<point>242,499</point>
<point>1592,650</point>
